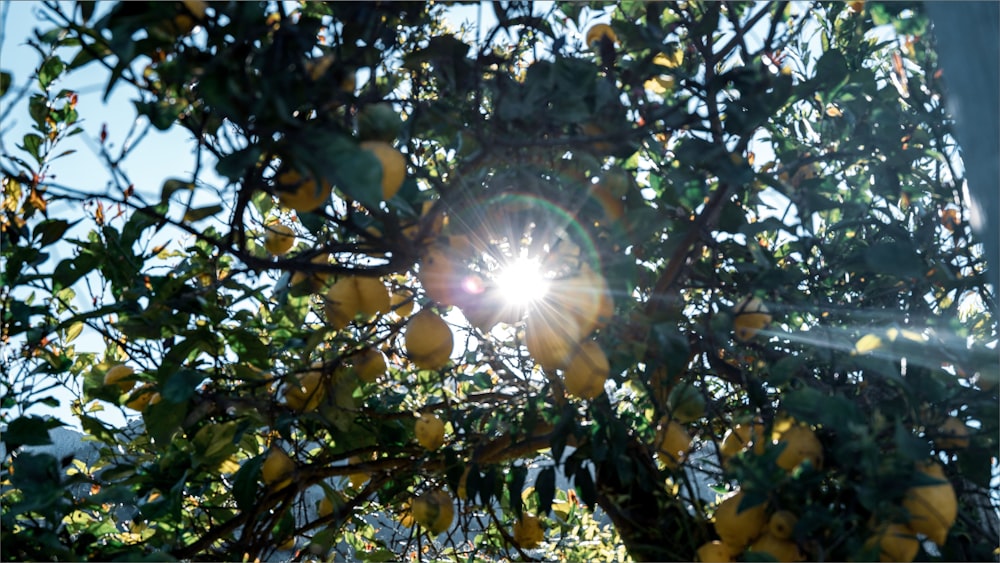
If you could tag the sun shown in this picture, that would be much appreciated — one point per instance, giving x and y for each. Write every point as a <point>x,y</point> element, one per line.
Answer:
<point>522,282</point>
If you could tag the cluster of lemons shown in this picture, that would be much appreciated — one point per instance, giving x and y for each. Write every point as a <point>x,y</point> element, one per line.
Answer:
<point>761,528</point>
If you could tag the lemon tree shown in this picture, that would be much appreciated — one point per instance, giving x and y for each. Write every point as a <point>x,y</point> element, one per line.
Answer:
<point>642,280</point>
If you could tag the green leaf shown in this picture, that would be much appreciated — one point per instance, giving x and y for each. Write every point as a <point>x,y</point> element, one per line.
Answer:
<point>50,71</point>
<point>171,185</point>
<point>235,165</point>
<point>785,369</point>
<point>545,486</point>
<point>163,420</point>
<point>73,332</point>
<point>909,445</point>
<point>38,109</point>
<point>585,485</point>
<point>197,214</point>
<point>86,9</point>
<point>51,230</point>
<point>358,174</point>
<point>515,484</point>
<point>29,431</point>
<point>181,385</point>
<point>444,48</point>
<point>37,474</point>
<point>245,483</point>
<point>96,428</point>
<point>5,81</point>
<point>30,144</point>
<point>831,68</point>
<point>893,258</point>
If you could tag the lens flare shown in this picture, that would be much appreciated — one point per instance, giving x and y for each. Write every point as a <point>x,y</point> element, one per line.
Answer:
<point>522,282</point>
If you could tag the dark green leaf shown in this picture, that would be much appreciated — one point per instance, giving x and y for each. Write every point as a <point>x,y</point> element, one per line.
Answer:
<point>515,485</point>
<point>29,431</point>
<point>86,9</point>
<point>163,420</point>
<point>246,481</point>
<point>171,185</point>
<point>36,473</point>
<point>909,445</point>
<point>785,369</point>
<point>832,66</point>
<point>51,230</point>
<point>38,109</point>
<point>181,385</point>
<point>358,174</point>
<point>585,485</point>
<point>96,428</point>
<point>5,81</point>
<point>235,165</point>
<point>893,258</point>
<point>545,486</point>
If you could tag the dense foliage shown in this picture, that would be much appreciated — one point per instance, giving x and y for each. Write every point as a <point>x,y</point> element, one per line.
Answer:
<point>748,217</point>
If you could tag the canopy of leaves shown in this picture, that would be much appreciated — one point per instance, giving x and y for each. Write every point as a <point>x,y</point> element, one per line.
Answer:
<point>701,158</point>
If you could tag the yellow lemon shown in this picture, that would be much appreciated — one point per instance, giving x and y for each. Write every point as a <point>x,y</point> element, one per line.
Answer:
<point>141,397</point>
<point>586,371</point>
<point>369,365</point>
<point>350,296</point>
<point>428,340</point>
<point>751,315</point>
<point>118,375</point>
<point>307,392</point>
<point>581,298</point>
<point>782,524</point>
<point>433,510</point>
<point>598,33</point>
<point>660,84</point>
<point>552,337</point>
<point>342,304</point>
<point>672,57</point>
<point>740,436</point>
<point>393,166</point>
<point>401,302</point>
<point>895,542</point>
<point>801,444</point>
<point>953,434</point>
<point>277,469</point>
<point>279,239</point>
<point>779,549</point>
<point>357,479</point>
<point>308,282</point>
<point>325,507</point>
<point>463,483</point>
<point>672,443</point>
<point>933,508</point>
<point>192,13</point>
<point>738,527</point>
<point>715,552</point>
<point>528,532</point>
<point>301,194</point>
<point>439,277</point>
<point>429,431</point>
<point>373,296</point>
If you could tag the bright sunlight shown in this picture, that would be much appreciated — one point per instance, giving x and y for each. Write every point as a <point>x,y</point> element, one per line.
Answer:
<point>522,282</point>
